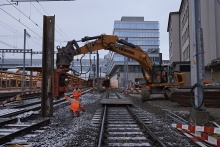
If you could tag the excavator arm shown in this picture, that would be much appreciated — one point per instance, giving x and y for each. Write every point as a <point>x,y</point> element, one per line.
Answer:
<point>113,43</point>
<point>109,42</point>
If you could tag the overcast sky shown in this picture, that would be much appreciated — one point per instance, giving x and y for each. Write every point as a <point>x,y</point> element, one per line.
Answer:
<point>76,19</point>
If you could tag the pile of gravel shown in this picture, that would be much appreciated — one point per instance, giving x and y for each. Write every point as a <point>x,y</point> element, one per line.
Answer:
<point>158,105</point>
<point>67,130</point>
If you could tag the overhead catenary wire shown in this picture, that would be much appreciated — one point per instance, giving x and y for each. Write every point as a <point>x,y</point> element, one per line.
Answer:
<point>20,22</point>
<point>55,23</point>
<point>10,28</point>
<point>61,32</point>
<point>42,7</point>
<point>24,24</point>
<point>18,33</point>
<point>34,39</point>
<point>26,16</point>
<point>37,9</point>
<point>7,44</point>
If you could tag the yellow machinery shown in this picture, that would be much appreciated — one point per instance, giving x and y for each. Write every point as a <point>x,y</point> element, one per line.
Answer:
<point>154,83</point>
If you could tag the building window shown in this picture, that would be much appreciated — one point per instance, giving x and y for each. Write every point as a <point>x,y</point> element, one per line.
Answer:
<point>185,68</point>
<point>129,25</point>
<point>135,34</point>
<point>145,42</point>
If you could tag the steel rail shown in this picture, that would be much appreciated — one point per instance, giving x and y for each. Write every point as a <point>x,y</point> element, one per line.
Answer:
<point>174,117</point>
<point>38,107</point>
<point>7,121</point>
<point>102,127</point>
<point>30,128</point>
<point>146,127</point>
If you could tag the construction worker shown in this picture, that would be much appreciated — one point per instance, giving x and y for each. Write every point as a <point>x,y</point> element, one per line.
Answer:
<point>148,87</point>
<point>75,106</point>
<point>164,77</point>
<point>77,93</point>
<point>159,77</point>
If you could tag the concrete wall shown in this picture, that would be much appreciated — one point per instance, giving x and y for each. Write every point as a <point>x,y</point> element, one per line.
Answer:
<point>217,18</point>
<point>208,23</point>
<point>191,39</point>
<point>174,41</point>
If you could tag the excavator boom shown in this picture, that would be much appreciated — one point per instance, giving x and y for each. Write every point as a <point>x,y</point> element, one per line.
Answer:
<point>108,42</point>
<point>113,43</point>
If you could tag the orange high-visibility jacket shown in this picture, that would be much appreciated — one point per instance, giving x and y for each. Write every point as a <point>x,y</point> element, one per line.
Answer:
<point>77,94</point>
<point>75,105</point>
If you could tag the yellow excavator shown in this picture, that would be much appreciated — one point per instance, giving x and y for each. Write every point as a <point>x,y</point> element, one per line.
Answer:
<point>167,77</point>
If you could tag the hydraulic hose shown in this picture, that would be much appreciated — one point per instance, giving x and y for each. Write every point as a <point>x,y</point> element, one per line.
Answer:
<point>191,95</point>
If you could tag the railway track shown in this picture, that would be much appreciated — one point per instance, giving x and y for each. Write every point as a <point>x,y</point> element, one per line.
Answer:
<point>11,127</point>
<point>121,129</point>
<point>128,125</point>
<point>10,131</point>
<point>121,126</point>
<point>29,105</point>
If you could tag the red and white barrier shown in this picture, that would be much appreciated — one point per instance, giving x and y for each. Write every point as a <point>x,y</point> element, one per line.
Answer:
<point>132,90</point>
<point>202,132</point>
<point>191,137</point>
<point>192,128</point>
<point>14,97</point>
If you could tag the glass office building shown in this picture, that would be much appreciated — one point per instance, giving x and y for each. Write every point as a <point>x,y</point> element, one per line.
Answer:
<point>138,32</point>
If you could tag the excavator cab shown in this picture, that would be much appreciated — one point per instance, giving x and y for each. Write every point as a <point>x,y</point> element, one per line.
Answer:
<point>163,79</point>
<point>165,75</point>
<point>160,74</point>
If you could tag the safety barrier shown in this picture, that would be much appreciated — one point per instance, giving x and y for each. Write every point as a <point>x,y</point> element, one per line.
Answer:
<point>132,91</point>
<point>14,97</point>
<point>186,133</point>
<point>206,133</point>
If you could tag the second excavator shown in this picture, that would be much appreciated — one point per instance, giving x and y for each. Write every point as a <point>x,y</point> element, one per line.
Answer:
<point>168,78</point>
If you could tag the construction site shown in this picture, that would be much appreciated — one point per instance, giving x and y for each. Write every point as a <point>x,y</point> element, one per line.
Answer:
<point>72,94</point>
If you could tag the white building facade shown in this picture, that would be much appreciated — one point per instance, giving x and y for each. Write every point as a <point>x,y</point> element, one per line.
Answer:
<point>180,28</point>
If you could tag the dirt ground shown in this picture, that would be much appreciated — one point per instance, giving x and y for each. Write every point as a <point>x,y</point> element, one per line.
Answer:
<point>158,104</point>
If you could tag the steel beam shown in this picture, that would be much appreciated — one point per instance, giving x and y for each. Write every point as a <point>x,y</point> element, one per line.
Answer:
<point>16,50</point>
<point>47,66</point>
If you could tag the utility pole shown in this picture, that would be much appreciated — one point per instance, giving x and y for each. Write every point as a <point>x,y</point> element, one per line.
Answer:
<point>31,73</point>
<point>97,69</point>
<point>2,59</point>
<point>125,69</point>
<point>100,73</point>
<point>93,68</point>
<point>198,114</point>
<point>23,73</point>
